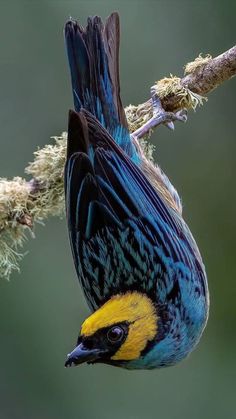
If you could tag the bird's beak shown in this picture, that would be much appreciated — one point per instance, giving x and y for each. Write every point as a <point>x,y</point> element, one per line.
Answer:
<point>82,354</point>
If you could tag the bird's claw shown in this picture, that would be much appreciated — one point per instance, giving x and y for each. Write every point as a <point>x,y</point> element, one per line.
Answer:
<point>160,116</point>
<point>164,117</point>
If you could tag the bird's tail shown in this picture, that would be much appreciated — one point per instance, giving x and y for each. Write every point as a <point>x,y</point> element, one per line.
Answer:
<point>93,55</point>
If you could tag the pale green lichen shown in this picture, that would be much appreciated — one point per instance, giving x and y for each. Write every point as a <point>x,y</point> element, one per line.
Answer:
<point>200,61</point>
<point>14,197</point>
<point>22,203</point>
<point>10,257</point>
<point>138,115</point>
<point>48,164</point>
<point>172,86</point>
<point>47,169</point>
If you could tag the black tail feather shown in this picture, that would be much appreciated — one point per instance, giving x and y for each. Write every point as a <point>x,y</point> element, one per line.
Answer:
<point>93,55</point>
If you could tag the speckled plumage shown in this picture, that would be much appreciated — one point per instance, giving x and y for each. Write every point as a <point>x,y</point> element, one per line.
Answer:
<point>124,216</point>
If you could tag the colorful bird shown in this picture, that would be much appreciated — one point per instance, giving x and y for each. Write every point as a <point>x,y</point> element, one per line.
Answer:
<point>135,257</point>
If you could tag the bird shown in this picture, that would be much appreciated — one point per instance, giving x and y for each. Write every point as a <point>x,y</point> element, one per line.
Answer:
<point>136,260</point>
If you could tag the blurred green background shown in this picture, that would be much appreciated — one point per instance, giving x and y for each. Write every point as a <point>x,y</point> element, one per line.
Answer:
<point>41,310</point>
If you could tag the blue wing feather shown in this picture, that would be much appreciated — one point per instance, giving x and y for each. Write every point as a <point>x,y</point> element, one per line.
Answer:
<point>115,200</point>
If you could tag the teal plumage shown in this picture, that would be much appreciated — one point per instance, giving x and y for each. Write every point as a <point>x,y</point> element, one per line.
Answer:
<point>125,225</point>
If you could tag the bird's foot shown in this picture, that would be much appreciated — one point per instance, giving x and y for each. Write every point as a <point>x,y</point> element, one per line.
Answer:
<point>164,117</point>
<point>160,116</point>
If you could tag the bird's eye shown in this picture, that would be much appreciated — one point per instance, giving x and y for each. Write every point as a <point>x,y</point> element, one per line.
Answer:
<point>115,334</point>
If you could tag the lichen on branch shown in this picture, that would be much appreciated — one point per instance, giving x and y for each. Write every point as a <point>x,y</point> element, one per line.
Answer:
<point>25,203</point>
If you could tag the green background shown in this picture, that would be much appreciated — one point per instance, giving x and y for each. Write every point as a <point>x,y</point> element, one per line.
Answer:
<point>41,310</point>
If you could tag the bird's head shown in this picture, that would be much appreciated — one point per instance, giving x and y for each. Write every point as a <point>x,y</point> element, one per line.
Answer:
<point>118,332</point>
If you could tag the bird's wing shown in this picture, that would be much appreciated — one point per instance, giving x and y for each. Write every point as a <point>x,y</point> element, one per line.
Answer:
<point>123,234</point>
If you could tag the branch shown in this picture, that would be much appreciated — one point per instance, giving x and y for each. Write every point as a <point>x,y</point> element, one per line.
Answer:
<point>25,203</point>
<point>202,76</point>
<point>209,76</point>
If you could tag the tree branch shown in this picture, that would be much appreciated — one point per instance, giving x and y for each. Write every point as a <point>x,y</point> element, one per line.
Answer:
<point>202,76</point>
<point>24,203</point>
<point>215,72</point>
